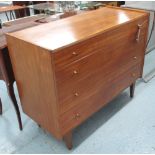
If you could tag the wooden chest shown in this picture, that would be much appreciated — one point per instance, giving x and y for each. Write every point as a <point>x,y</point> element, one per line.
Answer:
<point>69,69</point>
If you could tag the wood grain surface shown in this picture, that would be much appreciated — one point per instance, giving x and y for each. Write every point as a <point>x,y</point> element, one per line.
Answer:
<point>96,56</point>
<point>35,81</point>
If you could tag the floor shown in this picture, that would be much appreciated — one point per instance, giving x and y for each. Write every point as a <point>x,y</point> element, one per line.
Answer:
<point>124,126</point>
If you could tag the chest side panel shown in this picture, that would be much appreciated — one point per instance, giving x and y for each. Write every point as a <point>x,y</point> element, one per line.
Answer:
<point>35,81</point>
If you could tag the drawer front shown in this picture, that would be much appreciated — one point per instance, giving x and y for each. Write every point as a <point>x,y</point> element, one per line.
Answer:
<point>102,41</point>
<point>102,96</point>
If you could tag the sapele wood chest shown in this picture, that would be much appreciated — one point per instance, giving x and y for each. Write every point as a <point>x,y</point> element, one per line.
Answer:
<point>68,69</point>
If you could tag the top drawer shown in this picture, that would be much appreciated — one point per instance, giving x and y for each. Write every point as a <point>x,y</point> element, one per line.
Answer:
<point>102,42</point>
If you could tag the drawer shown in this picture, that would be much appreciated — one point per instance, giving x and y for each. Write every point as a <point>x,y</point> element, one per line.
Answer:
<point>104,41</point>
<point>73,117</point>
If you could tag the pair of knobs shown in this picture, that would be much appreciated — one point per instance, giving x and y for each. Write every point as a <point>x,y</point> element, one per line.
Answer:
<point>75,94</point>
<point>133,74</point>
<point>75,71</point>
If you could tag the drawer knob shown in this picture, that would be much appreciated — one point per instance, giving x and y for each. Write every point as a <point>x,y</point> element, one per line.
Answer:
<point>135,58</point>
<point>77,116</point>
<point>76,94</point>
<point>133,74</point>
<point>75,72</point>
<point>74,53</point>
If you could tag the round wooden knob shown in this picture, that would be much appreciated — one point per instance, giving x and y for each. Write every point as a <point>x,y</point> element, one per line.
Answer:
<point>135,58</point>
<point>133,74</point>
<point>75,72</point>
<point>76,94</point>
<point>74,53</point>
<point>77,116</point>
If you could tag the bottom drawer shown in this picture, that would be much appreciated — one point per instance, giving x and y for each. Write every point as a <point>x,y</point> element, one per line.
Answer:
<point>81,112</point>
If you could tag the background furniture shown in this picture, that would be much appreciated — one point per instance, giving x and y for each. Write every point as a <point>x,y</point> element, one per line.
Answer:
<point>8,76</point>
<point>36,11</point>
<point>42,7</point>
<point>74,69</point>
<point>113,3</point>
<point>10,8</point>
<point>22,12</point>
<point>26,11</point>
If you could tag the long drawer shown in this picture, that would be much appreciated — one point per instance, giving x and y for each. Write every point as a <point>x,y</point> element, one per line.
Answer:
<point>101,97</point>
<point>104,41</point>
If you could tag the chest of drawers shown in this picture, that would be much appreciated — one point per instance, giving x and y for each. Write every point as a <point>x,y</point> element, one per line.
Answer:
<point>69,69</point>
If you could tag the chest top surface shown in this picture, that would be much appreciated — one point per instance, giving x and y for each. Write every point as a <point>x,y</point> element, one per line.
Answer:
<point>59,34</point>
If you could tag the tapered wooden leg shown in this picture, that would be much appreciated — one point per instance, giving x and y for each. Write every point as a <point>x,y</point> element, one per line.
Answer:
<point>68,140</point>
<point>132,90</point>
<point>0,107</point>
<point>14,101</point>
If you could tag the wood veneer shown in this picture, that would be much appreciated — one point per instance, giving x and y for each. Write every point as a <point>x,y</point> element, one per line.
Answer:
<point>70,69</point>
